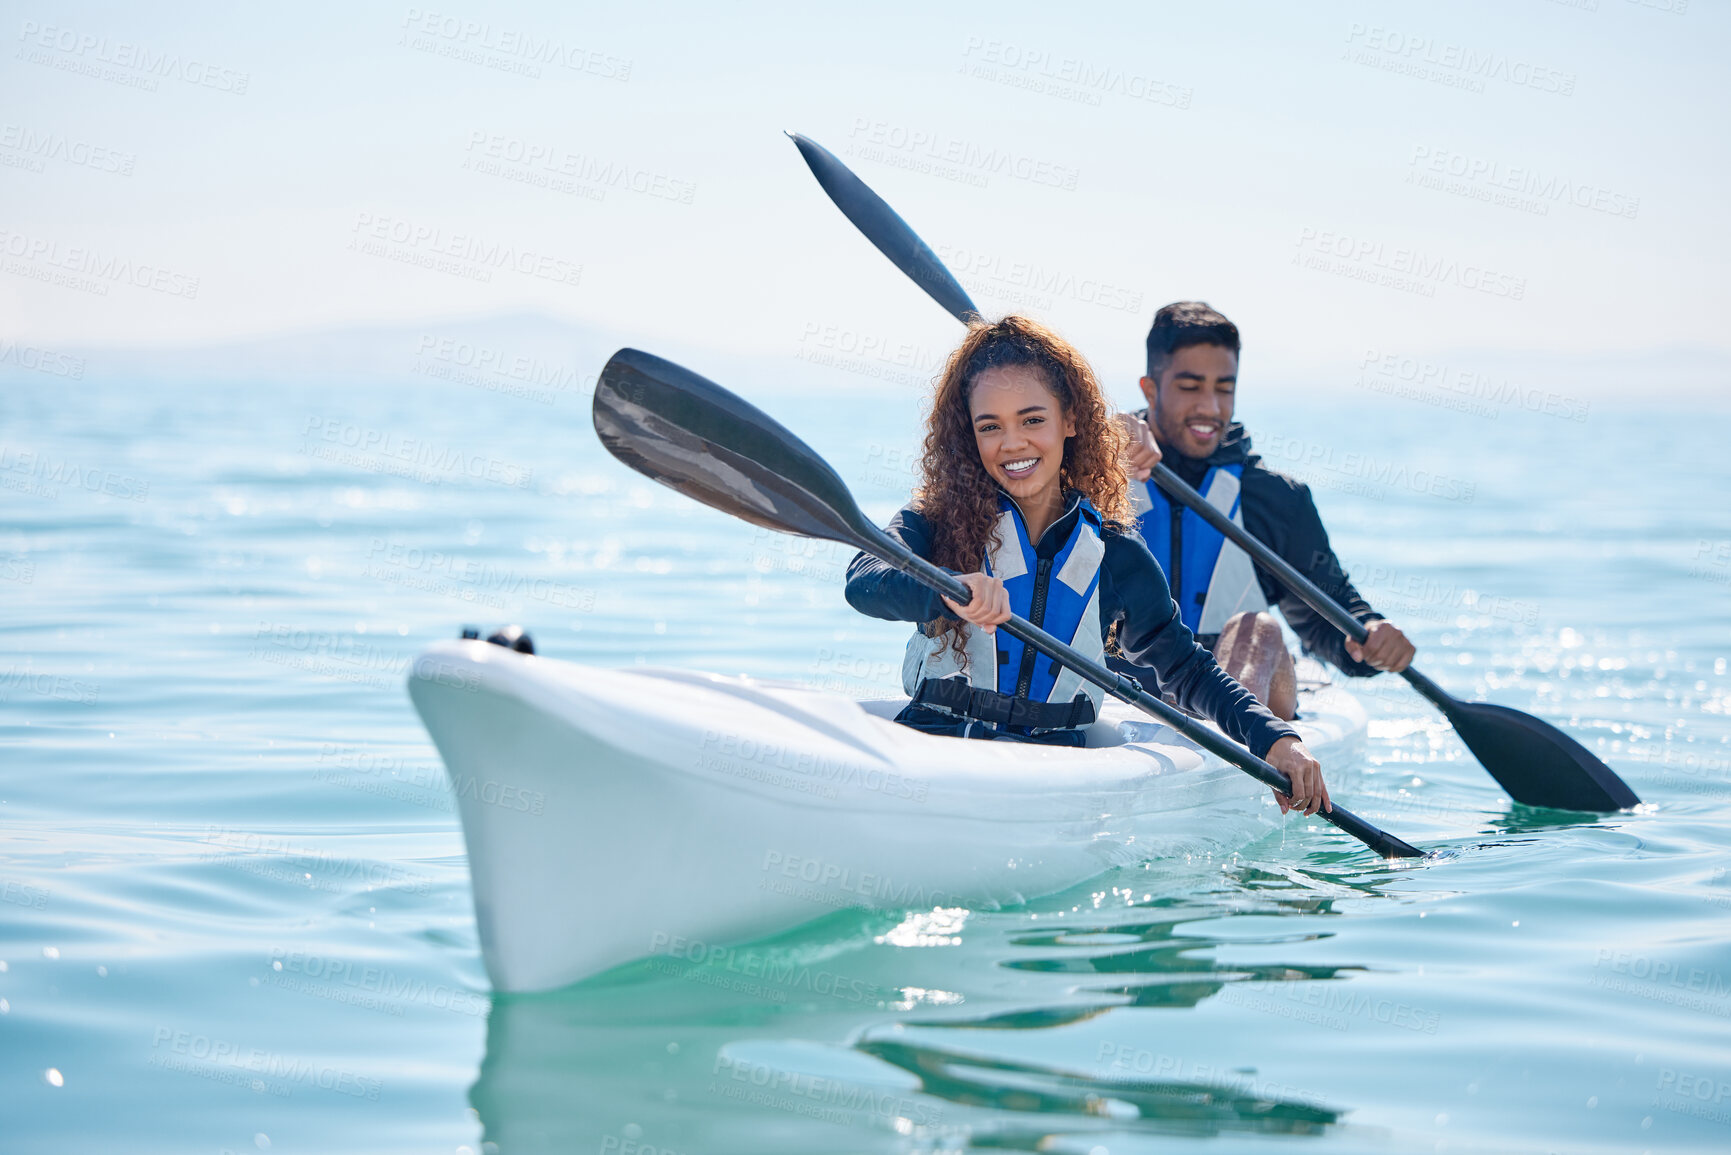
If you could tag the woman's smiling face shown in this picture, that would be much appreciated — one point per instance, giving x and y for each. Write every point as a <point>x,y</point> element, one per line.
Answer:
<point>1020,427</point>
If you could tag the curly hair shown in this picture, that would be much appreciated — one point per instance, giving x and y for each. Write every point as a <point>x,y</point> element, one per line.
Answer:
<point>956,495</point>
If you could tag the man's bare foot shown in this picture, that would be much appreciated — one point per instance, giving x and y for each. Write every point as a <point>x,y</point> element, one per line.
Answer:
<point>1251,649</point>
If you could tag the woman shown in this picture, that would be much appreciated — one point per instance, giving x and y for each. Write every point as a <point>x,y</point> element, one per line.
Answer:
<point>1023,497</point>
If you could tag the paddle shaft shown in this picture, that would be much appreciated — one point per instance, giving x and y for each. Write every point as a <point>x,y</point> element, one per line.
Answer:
<point>1307,590</point>
<point>1129,690</point>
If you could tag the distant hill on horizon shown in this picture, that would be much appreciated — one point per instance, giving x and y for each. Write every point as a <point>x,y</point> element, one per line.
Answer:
<point>534,350</point>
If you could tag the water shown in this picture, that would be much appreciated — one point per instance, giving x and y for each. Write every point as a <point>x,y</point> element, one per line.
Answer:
<point>236,911</point>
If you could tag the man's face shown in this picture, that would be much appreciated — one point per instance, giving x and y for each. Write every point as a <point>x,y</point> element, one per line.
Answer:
<point>1191,404</point>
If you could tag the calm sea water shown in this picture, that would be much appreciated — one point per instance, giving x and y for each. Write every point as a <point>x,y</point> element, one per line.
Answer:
<point>236,913</point>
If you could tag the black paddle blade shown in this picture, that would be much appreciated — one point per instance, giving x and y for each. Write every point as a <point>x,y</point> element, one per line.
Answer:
<point>885,229</point>
<point>1537,763</point>
<point>690,434</point>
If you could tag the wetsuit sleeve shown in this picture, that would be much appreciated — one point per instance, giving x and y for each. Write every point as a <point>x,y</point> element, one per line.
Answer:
<point>1280,513</point>
<point>1161,653</point>
<point>879,590</point>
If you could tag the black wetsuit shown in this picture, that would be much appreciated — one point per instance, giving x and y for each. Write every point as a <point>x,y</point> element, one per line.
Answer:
<point>1279,512</point>
<point>1133,593</point>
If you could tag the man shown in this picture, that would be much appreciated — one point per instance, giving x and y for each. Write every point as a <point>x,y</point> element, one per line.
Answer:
<point>1191,386</point>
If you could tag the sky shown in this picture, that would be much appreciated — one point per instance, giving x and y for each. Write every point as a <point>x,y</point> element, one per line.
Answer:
<point>1527,180</point>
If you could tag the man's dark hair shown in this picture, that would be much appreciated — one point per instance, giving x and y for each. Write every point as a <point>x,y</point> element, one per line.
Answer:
<point>1185,323</point>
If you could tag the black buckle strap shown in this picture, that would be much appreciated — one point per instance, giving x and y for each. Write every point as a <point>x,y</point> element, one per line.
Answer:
<point>958,697</point>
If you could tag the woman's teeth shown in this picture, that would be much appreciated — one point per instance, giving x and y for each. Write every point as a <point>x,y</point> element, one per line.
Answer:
<point>1018,468</point>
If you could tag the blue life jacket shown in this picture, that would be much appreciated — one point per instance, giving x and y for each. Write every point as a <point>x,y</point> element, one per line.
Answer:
<point>1211,578</point>
<point>1002,681</point>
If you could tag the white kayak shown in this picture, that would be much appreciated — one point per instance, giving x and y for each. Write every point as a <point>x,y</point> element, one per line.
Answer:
<point>614,814</point>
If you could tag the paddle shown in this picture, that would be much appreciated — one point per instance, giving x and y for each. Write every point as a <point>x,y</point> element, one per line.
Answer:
<point>692,435</point>
<point>883,228</point>
<point>1536,763</point>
